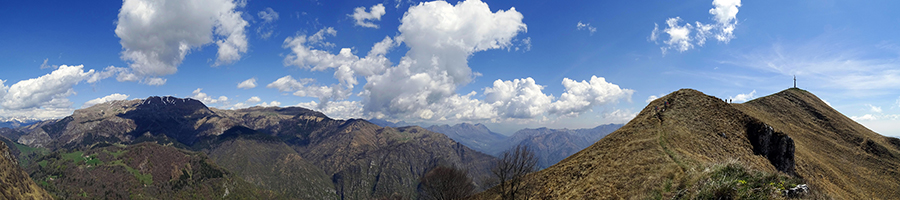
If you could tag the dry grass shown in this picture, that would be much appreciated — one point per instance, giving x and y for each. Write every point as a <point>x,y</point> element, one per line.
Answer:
<point>661,154</point>
<point>14,182</point>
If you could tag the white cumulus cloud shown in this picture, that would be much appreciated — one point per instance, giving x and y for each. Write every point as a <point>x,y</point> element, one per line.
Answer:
<point>108,98</point>
<point>303,88</point>
<point>206,99</point>
<point>651,98</point>
<point>587,27</point>
<point>743,97</point>
<point>346,65</point>
<point>46,97</point>
<point>725,13</point>
<point>337,109</point>
<point>423,84</point>
<point>254,99</point>
<point>270,104</point>
<point>48,91</point>
<point>109,72</point>
<point>685,37</point>
<point>156,35</point>
<point>519,98</point>
<point>247,84</point>
<point>365,19</point>
<point>581,96</point>
<point>440,37</point>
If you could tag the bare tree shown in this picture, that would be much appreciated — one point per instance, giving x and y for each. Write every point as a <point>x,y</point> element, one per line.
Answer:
<point>446,183</point>
<point>511,169</point>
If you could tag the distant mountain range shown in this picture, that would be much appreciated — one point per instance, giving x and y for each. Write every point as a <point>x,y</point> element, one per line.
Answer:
<point>160,147</point>
<point>16,122</point>
<point>550,145</point>
<point>475,136</point>
<point>398,124</point>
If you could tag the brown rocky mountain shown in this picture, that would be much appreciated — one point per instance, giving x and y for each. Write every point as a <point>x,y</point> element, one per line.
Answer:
<point>268,162</point>
<point>153,119</point>
<point>272,148</point>
<point>14,182</point>
<point>701,147</point>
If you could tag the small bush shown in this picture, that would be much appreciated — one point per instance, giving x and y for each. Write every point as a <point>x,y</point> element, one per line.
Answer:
<point>734,181</point>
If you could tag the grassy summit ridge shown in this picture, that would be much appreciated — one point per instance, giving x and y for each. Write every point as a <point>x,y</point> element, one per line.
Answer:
<point>790,136</point>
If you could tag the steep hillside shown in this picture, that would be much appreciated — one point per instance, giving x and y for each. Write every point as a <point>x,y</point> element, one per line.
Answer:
<point>23,154</point>
<point>11,134</point>
<point>142,171</point>
<point>682,150</point>
<point>367,161</point>
<point>269,163</point>
<point>362,159</point>
<point>14,182</point>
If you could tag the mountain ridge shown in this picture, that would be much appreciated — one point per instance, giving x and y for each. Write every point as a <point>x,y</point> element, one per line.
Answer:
<point>361,160</point>
<point>667,150</point>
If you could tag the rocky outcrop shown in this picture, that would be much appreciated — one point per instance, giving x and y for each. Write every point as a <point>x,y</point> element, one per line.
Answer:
<point>777,147</point>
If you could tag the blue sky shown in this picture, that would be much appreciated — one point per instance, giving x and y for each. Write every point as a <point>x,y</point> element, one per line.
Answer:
<point>508,64</point>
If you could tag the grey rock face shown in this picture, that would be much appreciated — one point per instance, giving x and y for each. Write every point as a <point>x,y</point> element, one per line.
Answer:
<point>777,147</point>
